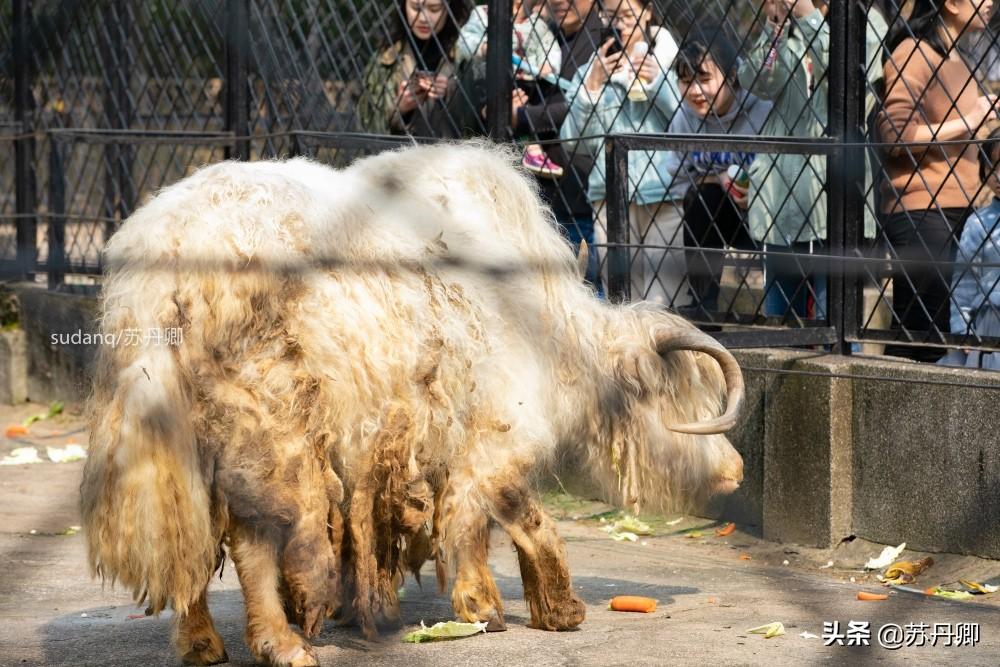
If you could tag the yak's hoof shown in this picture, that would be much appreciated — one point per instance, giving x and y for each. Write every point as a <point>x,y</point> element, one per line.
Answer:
<point>203,657</point>
<point>496,623</point>
<point>206,650</point>
<point>564,615</point>
<point>294,656</point>
<point>569,614</point>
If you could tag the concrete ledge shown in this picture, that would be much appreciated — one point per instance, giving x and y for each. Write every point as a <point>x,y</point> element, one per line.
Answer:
<point>889,461</point>
<point>926,458</point>
<point>13,367</point>
<point>807,446</point>
<point>57,371</point>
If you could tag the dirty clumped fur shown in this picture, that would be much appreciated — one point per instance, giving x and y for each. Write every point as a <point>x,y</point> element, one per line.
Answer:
<point>355,392</point>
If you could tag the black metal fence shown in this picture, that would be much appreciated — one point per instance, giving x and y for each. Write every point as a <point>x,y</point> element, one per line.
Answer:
<point>103,102</point>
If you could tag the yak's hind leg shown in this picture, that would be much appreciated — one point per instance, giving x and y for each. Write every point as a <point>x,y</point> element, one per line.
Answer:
<point>375,599</point>
<point>540,554</point>
<point>268,635</point>
<point>309,567</point>
<point>466,536</point>
<point>195,636</point>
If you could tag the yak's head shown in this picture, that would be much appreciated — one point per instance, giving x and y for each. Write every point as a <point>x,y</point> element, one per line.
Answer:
<point>662,431</point>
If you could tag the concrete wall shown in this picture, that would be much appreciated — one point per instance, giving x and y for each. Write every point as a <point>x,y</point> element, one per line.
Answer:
<point>902,457</point>
<point>55,371</point>
<point>927,459</point>
<point>824,457</point>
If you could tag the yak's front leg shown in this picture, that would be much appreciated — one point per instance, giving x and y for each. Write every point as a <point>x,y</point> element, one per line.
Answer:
<point>268,635</point>
<point>541,556</point>
<point>195,636</point>
<point>466,536</point>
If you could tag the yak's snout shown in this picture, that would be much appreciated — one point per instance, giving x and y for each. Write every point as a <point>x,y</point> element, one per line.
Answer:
<point>730,473</point>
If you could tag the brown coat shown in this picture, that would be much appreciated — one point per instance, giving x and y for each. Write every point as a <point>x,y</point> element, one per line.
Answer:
<point>923,88</point>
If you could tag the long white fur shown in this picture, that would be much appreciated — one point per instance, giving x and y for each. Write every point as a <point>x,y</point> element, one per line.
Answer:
<point>390,256</point>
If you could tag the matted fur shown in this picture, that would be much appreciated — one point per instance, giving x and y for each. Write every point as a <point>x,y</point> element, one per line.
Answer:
<point>353,349</point>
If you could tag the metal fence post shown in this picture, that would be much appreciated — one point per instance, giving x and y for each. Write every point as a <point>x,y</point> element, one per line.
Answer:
<point>56,264</point>
<point>237,77</point>
<point>119,197</point>
<point>845,167</point>
<point>499,69</point>
<point>616,203</point>
<point>24,145</point>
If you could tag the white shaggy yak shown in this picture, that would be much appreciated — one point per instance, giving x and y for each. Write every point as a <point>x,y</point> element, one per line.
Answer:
<point>374,364</point>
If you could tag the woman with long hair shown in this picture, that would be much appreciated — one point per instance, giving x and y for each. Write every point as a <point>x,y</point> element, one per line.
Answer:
<point>931,96</point>
<point>411,84</point>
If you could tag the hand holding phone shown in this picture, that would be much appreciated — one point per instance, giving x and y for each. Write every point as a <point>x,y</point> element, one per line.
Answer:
<point>409,95</point>
<point>610,32</point>
<point>437,87</point>
<point>602,67</point>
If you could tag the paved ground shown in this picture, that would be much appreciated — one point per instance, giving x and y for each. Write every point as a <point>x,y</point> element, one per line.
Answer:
<point>52,613</point>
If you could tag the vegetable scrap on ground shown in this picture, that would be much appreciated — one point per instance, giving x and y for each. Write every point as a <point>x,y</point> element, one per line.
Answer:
<point>29,455</point>
<point>444,630</point>
<point>775,629</point>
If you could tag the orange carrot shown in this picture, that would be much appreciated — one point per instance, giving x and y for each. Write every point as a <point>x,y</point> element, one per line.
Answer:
<point>632,603</point>
<point>15,430</point>
<point>744,556</point>
<point>872,597</point>
<point>930,591</point>
<point>726,530</point>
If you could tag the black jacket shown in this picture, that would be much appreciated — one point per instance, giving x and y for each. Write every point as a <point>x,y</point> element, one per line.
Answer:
<point>544,115</point>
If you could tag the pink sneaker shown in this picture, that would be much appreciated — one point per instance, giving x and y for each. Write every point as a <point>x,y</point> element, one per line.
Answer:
<point>540,164</point>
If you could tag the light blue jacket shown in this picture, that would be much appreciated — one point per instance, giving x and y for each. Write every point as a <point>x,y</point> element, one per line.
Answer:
<point>975,287</point>
<point>787,197</point>
<point>614,113</point>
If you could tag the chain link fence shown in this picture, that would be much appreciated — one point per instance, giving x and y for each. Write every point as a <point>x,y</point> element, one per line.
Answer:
<point>783,172</point>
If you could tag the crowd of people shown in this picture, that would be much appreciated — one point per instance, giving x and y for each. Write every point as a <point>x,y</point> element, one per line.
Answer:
<point>585,69</point>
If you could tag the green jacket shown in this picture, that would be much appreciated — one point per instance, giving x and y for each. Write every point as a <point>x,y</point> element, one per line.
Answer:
<point>377,113</point>
<point>787,196</point>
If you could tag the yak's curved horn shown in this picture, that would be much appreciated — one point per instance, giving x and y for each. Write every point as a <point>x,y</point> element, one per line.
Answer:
<point>670,340</point>
<point>583,259</point>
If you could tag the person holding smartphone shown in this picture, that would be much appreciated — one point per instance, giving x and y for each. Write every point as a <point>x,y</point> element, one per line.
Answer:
<point>628,87</point>
<point>787,65</point>
<point>411,84</point>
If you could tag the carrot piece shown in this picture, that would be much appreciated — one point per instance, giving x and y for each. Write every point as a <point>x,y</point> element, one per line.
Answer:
<point>725,530</point>
<point>872,597</point>
<point>745,557</point>
<point>15,430</point>
<point>632,603</point>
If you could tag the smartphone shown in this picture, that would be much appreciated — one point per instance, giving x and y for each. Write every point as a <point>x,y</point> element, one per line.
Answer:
<point>610,32</point>
<point>423,74</point>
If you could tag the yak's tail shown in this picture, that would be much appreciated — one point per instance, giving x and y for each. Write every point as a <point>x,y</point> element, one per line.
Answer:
<point>146,492</point>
